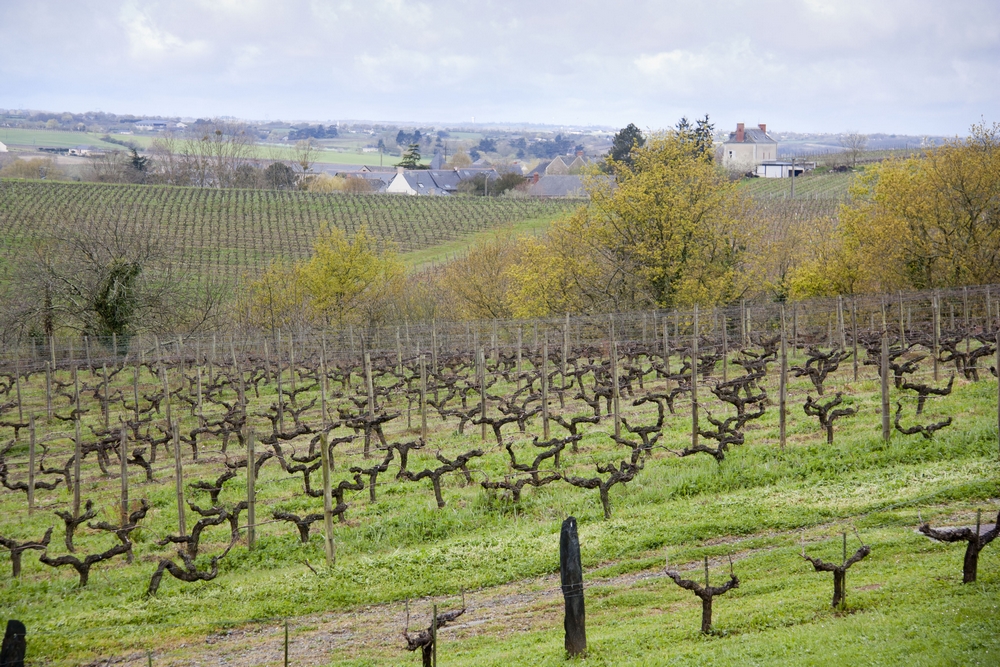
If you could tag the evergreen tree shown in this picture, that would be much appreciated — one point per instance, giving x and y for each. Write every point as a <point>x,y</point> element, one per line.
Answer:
<point>625,140</point>
<point>411,158</point>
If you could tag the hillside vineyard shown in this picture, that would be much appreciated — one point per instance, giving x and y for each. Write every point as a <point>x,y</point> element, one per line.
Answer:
<point>230,233</point>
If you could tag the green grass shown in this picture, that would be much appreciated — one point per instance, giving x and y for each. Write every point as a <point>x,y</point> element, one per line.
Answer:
<point>420,259</point>
<point>906,604</point>
<point>345,153</point>
<point>15,138</point>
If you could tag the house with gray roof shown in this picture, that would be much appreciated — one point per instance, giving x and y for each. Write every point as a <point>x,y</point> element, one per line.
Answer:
<point>433,181</point>
<point>748,147</point>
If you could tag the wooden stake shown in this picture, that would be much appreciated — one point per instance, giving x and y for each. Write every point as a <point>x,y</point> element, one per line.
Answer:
<point>48,388</point>
<point>369,384</point>
<point>666,347</point>
<point>104,399</point>
<point>886,432</point>
<point>135,393</point>
<point>902,329</point>
<point>854,335</point>
<point>795,327</point>
<point>17,386</point>
<point>123,463</point>
<point>725,345</point>
<point>166,394</point>
<point>783,385</point>
<point>481,362</point>
<point>329,547</point>
<point>423,398</point>
<point>434,347</point>
<point>936,309</point>
<point>434,637</point>
<point>31,464</point>
<point>694,380</point>
<point>251,489</point>
<point>517,363</point>
<point>281,396</point>
<point>77,456</point>
<point>179,480</point>
<point>399,353</point>
<point>615,393</point>
<point>545,389</point>
<point>840,322</point>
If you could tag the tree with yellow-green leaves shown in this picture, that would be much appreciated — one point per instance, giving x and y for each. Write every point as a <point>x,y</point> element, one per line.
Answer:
<point>666,231</point>
<point>926,222</point>
<point>345,281</point>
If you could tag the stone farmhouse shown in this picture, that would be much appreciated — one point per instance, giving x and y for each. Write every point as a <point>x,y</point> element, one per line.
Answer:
<point>748,147</point>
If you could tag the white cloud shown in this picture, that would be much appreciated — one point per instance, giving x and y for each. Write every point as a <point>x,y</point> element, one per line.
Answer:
<point>147,41</point>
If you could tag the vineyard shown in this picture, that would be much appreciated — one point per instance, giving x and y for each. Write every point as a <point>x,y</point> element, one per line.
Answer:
<point>231,233</point>
<point>811,186</point>
<point>184,500</point>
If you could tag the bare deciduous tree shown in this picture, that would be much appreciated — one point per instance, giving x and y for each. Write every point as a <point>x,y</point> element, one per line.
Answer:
<point>854,144</point>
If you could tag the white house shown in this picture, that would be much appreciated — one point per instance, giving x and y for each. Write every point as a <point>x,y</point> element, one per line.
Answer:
<point>748,147</point>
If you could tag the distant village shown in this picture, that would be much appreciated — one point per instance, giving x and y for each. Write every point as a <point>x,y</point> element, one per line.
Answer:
<point>550,162</point>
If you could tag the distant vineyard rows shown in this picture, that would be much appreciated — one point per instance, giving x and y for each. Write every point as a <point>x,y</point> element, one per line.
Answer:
<point>230,233</point>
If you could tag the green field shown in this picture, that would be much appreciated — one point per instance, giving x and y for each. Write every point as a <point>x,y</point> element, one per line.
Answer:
<point>342,153</point>
<point>32,139</point>
<point>232,233</point>
<point>761,506</point>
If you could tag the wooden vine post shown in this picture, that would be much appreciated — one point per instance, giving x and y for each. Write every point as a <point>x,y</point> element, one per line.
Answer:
<point>281,398</point>
<point>666,347</point>
<point>783,385</point>
<point>936,335</point>
<point>886,431</point>
<point>179,481</point>
<point>49,367</point>
<point>615,389</point>
<point>545,390</point>
<point>369,385</point>
<point>725,345</point>
<point>17,386</point>
<point>694,378</point>
<point>251,489</point>
<point>902,329</point>
<point>77,456</point>
<point>997,362</point>
<point>123,462</point>
<point>31,464</point>
<point>854,335</point>
<point>481,363</point>
<point>517,360</point>
<point>840,323</point>
<point>328,546</point>
<point>423,398</point>
<point>571,578</point>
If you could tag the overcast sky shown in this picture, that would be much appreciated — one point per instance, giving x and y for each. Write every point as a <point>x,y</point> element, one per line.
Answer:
<point>897,66</point>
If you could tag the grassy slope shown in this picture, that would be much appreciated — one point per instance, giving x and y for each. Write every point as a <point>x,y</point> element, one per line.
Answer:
<point>906,599</point>
<point>419,259</point>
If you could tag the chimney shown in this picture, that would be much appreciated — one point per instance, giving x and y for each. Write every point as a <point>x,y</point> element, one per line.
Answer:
<point>579,153</point>
<point>399,170</point>
<point>763,127</point>
<point>739,132</point>
<point>534,179</point>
